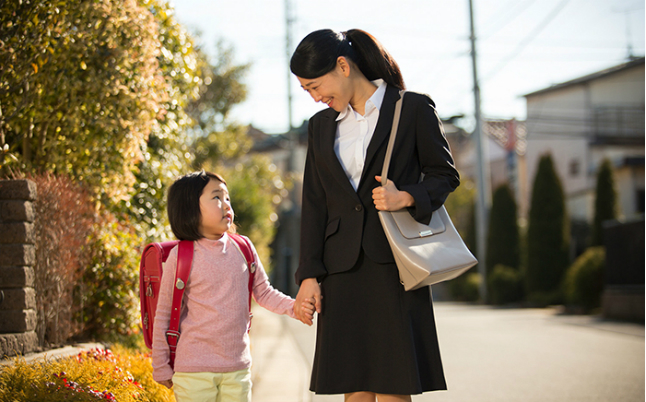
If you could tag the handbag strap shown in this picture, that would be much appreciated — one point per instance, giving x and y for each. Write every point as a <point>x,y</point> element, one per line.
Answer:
<point>391,140</point>
<point>184,262</point>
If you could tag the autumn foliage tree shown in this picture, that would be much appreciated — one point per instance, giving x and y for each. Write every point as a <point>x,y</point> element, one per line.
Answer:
<point>95,91</point>
<point>117,96</point>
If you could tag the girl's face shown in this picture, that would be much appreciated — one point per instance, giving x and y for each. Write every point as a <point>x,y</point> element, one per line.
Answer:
<point>331,88</point>
<point>215,209</point>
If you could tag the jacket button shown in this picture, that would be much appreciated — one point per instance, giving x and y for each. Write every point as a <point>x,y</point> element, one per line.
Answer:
<point>358,208</point>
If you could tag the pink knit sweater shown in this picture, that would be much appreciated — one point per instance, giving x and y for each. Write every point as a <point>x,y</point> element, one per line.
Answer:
<point>215,310</point>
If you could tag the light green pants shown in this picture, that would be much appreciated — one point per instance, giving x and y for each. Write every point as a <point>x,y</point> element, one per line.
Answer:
<point>213,387</point>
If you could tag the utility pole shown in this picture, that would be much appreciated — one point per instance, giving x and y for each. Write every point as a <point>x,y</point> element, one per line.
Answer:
<point>482,170</point>
<point>629,45</point>
<point>288,55</point>
<point>291,217</point>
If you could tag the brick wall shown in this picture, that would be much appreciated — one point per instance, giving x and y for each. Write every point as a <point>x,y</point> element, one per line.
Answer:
<point>17,259</point>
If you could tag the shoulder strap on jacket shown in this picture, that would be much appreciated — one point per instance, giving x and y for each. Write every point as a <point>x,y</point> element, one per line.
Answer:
<point>184,263</point>
<point>391,140</point>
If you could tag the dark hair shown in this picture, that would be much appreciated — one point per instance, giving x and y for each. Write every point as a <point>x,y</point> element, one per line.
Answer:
<point>184,204</point>
<point>318,52</point>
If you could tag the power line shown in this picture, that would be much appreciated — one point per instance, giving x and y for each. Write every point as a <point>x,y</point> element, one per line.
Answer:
<point>527,39</point>
<point>506,19</point>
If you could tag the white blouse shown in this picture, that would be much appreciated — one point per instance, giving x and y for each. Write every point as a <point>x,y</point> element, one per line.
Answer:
<point>354,132</point>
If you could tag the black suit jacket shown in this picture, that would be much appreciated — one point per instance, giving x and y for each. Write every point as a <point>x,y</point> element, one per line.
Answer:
<point>337,221</point>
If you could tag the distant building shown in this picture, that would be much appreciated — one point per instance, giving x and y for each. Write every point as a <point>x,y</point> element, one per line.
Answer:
<point>506,144</point>
<point>580,123</point>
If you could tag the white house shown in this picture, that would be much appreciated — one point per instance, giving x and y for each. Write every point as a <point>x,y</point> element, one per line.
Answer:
<point>580,123</point>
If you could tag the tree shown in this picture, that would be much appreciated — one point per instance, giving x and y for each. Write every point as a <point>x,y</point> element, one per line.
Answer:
<point>503,241</point>
<point>168,152</point>
<point>504,279</point>
<point>605,203</point>
<point>461,207</point>
<point>96,91</point>
<point>547,236</point>
<point>80,88</point>
<point>105,93</point>
<point>256,189</point>
<point>221,144</point>
<point>215,137</point>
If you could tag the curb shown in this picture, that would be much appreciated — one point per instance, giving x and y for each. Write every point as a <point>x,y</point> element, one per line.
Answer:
<point>59,353</point>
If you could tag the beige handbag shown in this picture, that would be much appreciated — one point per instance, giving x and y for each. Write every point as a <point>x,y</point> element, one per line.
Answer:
<point>425,254</point>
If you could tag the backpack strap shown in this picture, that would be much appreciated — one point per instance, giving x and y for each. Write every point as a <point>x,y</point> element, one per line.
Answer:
<point>184,263</point>
<point>245,248</point>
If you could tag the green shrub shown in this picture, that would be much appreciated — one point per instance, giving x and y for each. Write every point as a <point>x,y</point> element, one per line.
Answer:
<point>584,279</point>
<point>108,292</point>
<point>505,285</point>
<point>466,287</point>
<point>123,376</point>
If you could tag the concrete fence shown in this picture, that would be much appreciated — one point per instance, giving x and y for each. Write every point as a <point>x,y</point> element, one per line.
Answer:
<point>17,260</point>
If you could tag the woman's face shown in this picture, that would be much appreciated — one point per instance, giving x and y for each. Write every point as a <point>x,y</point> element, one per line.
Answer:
<point>331,88</point>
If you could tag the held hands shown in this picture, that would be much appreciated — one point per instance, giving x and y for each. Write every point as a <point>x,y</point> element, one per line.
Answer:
<point>308,300</point>
<point>388,198</point>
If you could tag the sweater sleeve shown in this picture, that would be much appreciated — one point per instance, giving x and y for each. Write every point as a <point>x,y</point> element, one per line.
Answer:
<point>266,295</point>
<point>161,353</point>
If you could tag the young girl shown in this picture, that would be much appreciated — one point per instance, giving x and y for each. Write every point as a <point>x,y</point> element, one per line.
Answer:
<point>213,358</point>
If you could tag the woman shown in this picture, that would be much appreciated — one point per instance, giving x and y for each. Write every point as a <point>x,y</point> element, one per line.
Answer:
<point>375,341</point>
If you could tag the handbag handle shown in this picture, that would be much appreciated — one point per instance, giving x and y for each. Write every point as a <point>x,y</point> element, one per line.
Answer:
<point>391,140</point>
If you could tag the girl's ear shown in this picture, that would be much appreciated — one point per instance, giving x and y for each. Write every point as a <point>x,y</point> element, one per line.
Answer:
<point>343,65</point>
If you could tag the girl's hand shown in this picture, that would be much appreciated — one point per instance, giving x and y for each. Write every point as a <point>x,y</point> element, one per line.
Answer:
<point>308,294</point>
<point>388,198</point>
<point>308,308</point>
<point>167,383</point>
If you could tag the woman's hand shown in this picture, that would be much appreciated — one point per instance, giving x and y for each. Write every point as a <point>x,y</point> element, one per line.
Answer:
<point>388,198</point>
<point>309,294</point>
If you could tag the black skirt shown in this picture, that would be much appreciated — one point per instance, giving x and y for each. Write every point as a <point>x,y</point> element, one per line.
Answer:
<point>374,336</point>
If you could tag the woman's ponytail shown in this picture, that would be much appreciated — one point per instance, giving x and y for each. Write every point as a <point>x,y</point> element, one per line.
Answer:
<point>373,59</point>
<point>317,53</point>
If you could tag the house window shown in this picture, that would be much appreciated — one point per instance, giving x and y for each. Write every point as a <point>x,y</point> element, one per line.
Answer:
<point>575,167</point>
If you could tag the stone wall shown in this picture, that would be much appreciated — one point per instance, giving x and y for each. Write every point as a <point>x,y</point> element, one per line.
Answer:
<point>17,259</point>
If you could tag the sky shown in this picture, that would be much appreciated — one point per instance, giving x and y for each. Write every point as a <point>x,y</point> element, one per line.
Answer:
<point>522,46</point>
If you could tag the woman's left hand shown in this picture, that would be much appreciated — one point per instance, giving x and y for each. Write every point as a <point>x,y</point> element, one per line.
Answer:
<point>388,198</point>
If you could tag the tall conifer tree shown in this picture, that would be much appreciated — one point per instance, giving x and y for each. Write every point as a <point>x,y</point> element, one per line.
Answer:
<point>605,203</point>
<point>503,245</point>
<point>547,236</point>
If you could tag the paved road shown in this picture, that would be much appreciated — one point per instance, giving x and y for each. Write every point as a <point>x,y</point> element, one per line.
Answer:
<point>489,355</point>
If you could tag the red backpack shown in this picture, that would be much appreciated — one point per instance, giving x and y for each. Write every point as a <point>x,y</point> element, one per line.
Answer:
<point>150,274</point>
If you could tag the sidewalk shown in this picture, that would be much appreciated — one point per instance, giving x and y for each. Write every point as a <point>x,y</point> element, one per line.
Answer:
<point>280,372</point>
<point>489,355</point>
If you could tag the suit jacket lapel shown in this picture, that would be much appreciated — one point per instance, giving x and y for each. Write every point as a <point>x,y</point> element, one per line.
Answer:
<point>328,135</point>
<point>382,130</point>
